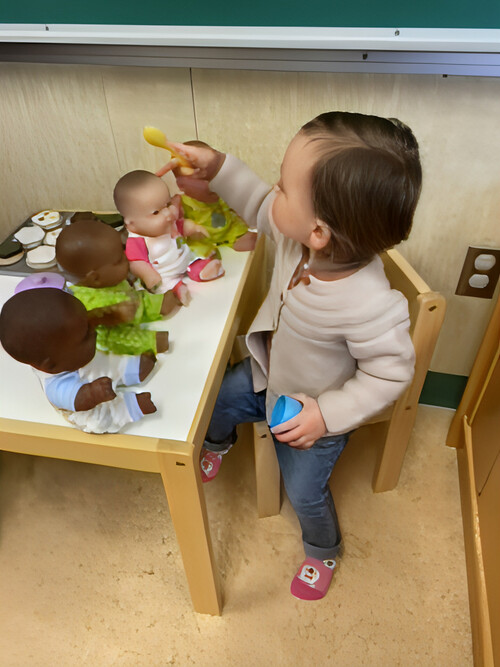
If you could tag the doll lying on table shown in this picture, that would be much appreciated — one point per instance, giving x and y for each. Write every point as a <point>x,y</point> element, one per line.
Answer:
<point>49,329</point>
<point>158,246</point>
<point>93,254</point>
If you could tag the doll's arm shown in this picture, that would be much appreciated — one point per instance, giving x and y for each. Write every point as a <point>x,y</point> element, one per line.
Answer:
<point>148,275</point>
<point>94,393</point>
<point>111,315</point>
<point>69,392</point>
<point>137,255</point>
<point>192,229</point>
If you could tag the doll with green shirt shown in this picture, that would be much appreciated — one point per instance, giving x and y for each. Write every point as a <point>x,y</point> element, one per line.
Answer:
<point>93,254</point>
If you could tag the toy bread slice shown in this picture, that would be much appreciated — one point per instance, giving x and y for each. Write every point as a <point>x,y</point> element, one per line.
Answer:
<point>11,252</point>
<point>30,236</point>
<point>43,257</point>
<point>47,219</point>
<point>51,237</point>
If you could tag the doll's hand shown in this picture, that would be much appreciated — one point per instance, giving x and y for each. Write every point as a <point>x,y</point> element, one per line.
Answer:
<point>94,393</point>
<point>193,230</point>
<point>118,313</point>
<point>305,428</point>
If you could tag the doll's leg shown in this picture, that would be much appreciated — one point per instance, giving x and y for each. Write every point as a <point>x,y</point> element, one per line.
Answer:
<point>203,270</point>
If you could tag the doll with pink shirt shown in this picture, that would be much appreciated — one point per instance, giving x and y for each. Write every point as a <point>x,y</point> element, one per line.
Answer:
<point>156,227</point>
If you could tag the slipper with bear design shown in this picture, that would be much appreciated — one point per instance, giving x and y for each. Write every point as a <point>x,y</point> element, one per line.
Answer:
<point>209,464</point>
<point>313,579</point>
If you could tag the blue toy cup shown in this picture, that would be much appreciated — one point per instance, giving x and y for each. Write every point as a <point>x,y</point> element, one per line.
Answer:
<point>285,408</point>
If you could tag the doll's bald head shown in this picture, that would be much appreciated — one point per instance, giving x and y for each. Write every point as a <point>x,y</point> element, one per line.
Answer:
<point>93,252</point>
<point>47,329</point>
<point>129,184</point>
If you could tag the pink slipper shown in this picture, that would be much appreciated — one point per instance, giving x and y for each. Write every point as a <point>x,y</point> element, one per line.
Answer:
<point>313,579</point>
<point>209,464</point>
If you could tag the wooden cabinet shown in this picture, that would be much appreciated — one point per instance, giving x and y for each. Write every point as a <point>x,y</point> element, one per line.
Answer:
<point>475,431</point>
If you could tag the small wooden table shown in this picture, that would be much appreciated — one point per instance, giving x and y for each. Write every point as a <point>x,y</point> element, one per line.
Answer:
<point>183,386</point>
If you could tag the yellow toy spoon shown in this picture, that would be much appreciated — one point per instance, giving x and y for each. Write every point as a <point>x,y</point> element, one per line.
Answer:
<point>156,137</point>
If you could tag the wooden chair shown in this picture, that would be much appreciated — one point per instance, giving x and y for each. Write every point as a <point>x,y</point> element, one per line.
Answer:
<point>427,310</point>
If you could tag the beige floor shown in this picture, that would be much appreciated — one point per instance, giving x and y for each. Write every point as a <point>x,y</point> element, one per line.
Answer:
<point>91,573</point>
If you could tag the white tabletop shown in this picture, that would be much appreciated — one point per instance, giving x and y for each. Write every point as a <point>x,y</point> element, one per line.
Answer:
<point>178,381</point>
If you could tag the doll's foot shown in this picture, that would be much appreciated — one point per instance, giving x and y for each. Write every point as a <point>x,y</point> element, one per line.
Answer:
<point>313,579</point>
<point>245,242</point>
<point>209,464</point>
<point>181,291</point>
<point>203,270</point>
<point>161,341</point>
<point>146,405</point>
<point>169,303</point>
<point>146,365</point>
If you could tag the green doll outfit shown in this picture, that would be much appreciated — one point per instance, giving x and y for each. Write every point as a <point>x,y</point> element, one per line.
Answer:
<point>222,223</point>
<point>129,338</point>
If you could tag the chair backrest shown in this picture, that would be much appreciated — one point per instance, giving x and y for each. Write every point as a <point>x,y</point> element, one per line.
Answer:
<point>426,308</point>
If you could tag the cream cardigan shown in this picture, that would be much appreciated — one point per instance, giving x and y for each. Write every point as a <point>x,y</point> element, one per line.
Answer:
<point>345,342</point>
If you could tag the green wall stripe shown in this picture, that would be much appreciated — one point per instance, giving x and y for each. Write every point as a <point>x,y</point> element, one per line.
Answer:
<point>443,389</point>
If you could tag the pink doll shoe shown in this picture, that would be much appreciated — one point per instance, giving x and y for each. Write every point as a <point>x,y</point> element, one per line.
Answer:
<point>196,267</point>
<point>45,279</point>
<point>209,464</point>
<point>313,579</point>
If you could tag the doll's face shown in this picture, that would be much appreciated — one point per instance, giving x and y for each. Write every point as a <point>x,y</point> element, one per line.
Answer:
<point>76,350</point>
<point>148,210</point>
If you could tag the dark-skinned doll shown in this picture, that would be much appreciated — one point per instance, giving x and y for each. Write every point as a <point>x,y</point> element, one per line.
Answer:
<point>93,254</point>
<point>49,329</point>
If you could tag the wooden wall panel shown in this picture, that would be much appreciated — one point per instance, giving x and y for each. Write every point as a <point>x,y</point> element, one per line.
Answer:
<point>56,140</point>
<point>139,96</point>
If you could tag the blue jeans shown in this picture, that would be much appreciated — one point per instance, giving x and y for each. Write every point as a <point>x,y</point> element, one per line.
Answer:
<point>305,472</point>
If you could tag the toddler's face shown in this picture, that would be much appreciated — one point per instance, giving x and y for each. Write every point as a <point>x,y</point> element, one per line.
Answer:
<point>149,210</point>
<point>292,211</point>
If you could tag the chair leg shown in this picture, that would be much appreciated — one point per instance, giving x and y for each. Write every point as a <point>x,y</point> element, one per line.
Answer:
<point>396,438</point>
<point>267,471</point>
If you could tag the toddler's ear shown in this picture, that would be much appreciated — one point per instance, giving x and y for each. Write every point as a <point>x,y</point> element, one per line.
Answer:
<point>320,236</point>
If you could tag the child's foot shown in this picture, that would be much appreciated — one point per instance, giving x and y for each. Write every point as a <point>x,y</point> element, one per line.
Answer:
<point>312,581</point>
<point>209,464</point>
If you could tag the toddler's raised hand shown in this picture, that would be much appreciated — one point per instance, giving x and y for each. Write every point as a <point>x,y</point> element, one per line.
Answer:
<point>304,429</point>
<point>206,163</point>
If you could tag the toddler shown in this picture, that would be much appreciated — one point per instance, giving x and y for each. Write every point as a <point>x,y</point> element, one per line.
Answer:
<point>331,332</point>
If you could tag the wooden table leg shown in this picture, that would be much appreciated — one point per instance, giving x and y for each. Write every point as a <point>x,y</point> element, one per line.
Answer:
<point>186,500</point>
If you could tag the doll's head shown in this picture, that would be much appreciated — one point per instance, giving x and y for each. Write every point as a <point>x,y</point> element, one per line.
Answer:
<point>47,329</point>
<point>92,252</point>
<point>145,203</point>
<point>364,181</point>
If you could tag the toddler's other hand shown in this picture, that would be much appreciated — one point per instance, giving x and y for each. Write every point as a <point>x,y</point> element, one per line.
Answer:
<point>305,428</point>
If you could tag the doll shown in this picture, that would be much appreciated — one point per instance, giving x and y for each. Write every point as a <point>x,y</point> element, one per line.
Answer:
<point>93,254</point>
<point>49,329</point>
<point>154,247</point>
